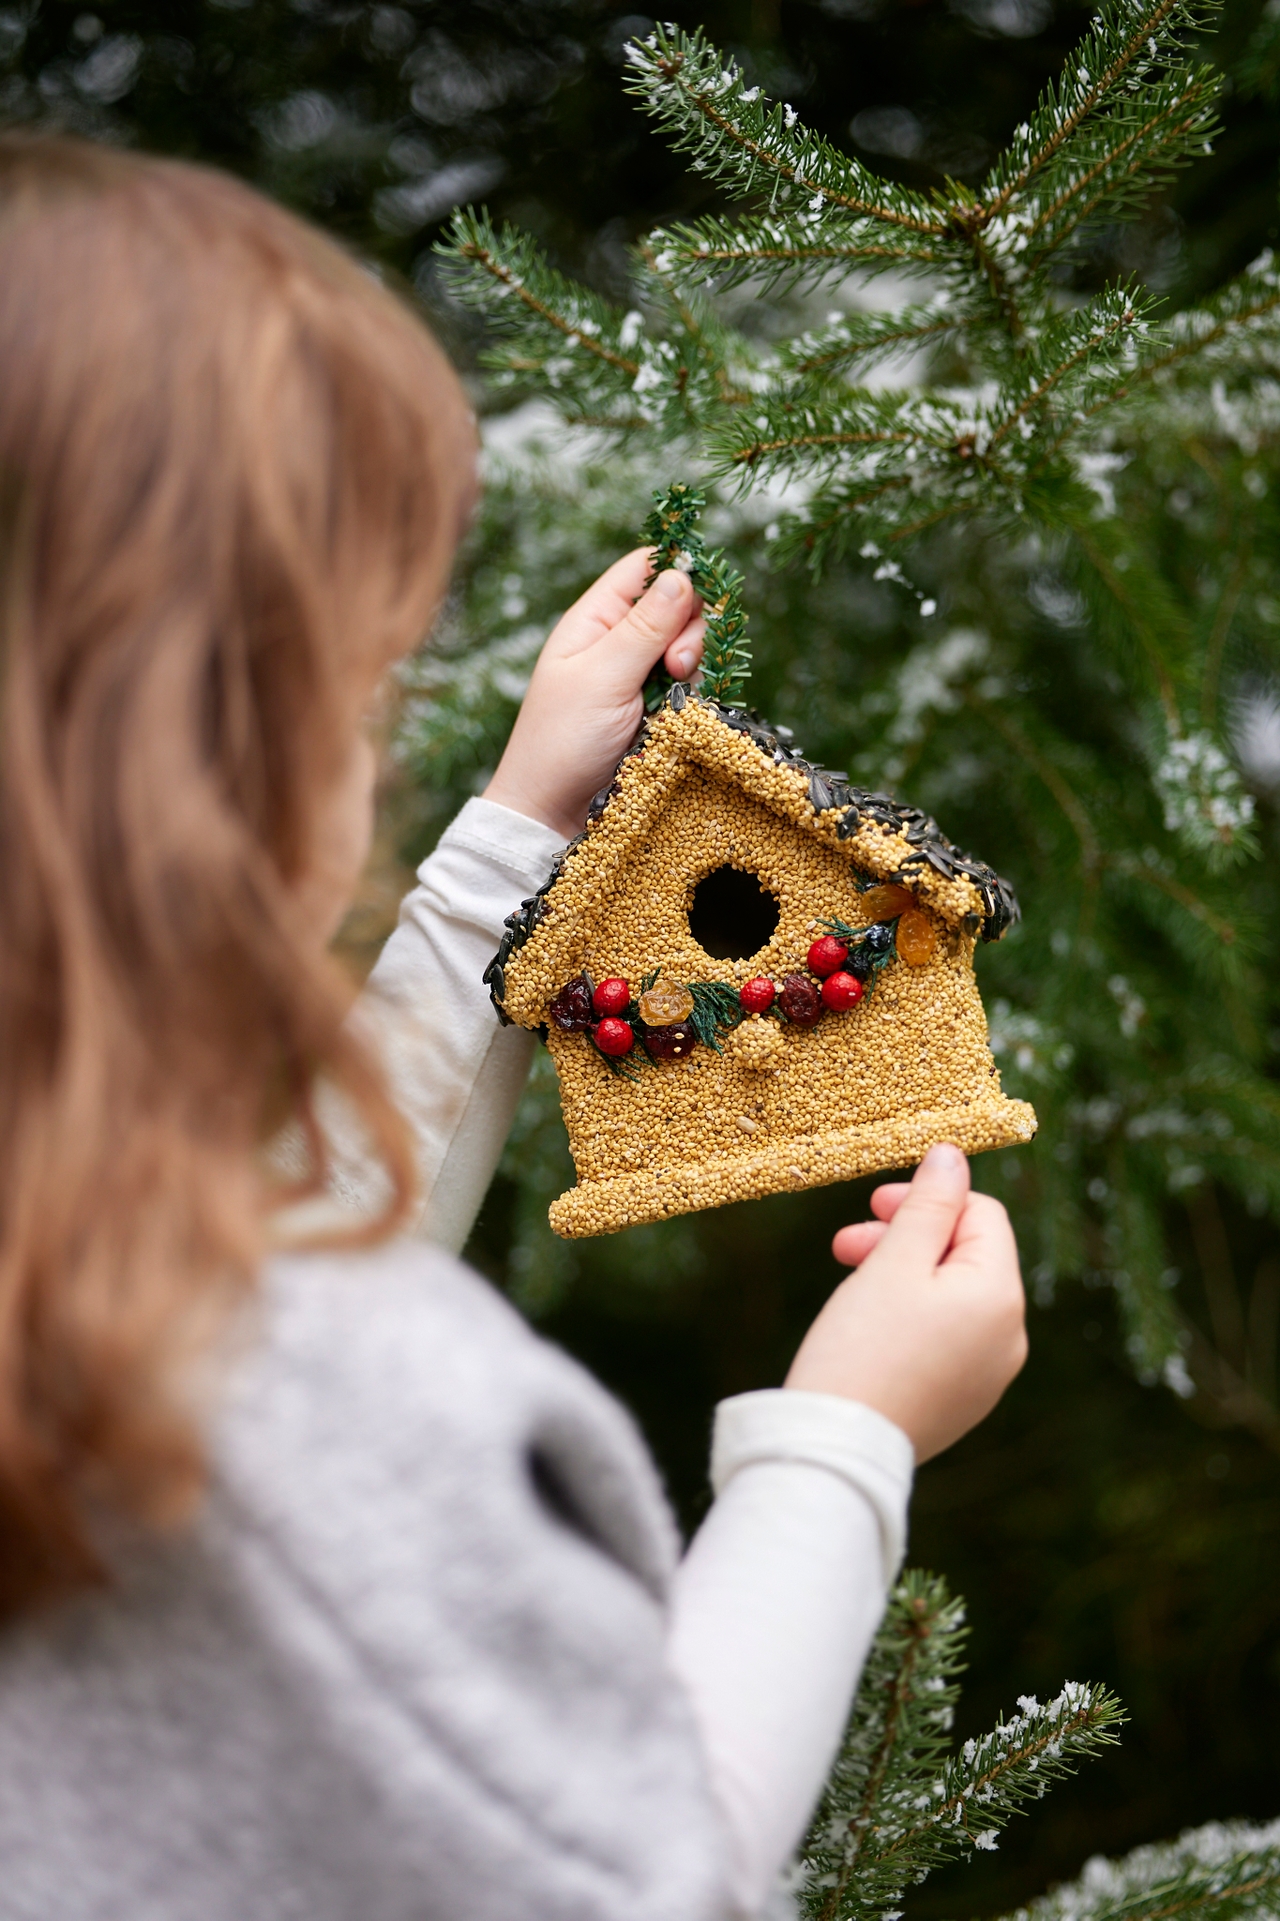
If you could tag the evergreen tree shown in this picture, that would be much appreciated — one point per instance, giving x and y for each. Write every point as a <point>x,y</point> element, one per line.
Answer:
<point>1038,589</point>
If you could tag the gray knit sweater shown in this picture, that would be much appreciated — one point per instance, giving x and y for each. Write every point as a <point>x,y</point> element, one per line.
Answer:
<point>410,1663</point>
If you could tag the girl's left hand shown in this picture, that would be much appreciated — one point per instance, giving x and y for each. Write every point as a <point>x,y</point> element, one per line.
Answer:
<point>585,701</point>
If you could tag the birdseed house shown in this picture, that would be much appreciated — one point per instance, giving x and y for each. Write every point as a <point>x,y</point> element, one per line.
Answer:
<point>753,977</point>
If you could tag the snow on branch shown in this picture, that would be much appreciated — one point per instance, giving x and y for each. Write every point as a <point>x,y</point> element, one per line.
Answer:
<point>1117,67</point>
<point>1124,158</point>
<point>797,250</point>
<point>1204,800</point>
<point>737,136</point>
<point>861,341</point>
<point>1227,1871</point>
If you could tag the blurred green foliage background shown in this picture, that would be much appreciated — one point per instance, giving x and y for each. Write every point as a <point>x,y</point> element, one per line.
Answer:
<point>1100,1529</point>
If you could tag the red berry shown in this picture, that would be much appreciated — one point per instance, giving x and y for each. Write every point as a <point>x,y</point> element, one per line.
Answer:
<point>827,955</point>
<point>841,992</point>
<point>757,995</point>
<point>611,997</point>
<point>800,1000</point>
<point>614,1037</point>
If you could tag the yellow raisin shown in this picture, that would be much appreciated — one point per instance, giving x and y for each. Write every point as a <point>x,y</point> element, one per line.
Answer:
<point>665,1003</point>
<point>882,903</point>
<point>917,937</point>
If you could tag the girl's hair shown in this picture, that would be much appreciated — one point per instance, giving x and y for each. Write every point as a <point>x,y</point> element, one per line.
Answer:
<point>233,470</point>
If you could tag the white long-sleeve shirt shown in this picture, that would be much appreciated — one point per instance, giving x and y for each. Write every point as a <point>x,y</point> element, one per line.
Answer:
<point>428,1649</point>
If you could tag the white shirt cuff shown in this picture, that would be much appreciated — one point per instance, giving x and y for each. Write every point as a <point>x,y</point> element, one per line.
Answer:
<point>863,1447</point>
<point>526,848</point>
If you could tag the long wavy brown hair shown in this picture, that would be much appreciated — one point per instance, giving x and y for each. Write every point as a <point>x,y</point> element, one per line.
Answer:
<point>233,469</point>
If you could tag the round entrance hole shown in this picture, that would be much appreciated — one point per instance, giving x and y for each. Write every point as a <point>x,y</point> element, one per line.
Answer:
<point>732,914</point>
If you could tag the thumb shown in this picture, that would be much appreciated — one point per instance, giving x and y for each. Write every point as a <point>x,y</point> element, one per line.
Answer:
<point>645,633</point>
<point>921,1229</point>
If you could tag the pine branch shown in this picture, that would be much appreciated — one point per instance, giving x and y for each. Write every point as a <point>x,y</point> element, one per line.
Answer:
<point>671,529</point>
<point>1081,363</point>
<point>604,365</point>
<point>912,462</point>
<point>1178,122</point>
<point>740,139</point>
<point>897,1805</point>
<point>1227,1871</point>
<point>711,345</point>
<point>869,518</point>
<point>1124,44</point>
<point>866,340</point>
<point>896,1739</point>
<point>872,461</point>
<point>1259,70</point>
<point>788,253</point>
<point>1100,141</point>
<point>996,1775</point>
<point>1242,319</point>
<point>1145,871</point>
<point>1235,332</point>
<point>1133,1242</point>
<point>1073,808</point>
<point>788,434</point>
<point>888,464</point>
<point>507,265</point>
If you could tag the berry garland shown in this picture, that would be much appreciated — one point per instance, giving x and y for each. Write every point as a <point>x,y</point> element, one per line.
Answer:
<point>665,1018</point>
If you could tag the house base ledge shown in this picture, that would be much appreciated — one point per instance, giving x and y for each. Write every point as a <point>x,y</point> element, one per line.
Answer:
<point>787,1166</point>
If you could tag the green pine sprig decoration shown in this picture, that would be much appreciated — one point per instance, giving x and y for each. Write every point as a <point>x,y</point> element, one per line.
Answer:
<point>716,1011</point>
<point>671,530</point>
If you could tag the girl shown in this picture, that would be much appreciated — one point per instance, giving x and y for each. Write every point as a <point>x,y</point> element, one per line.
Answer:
<point>328,1589</point>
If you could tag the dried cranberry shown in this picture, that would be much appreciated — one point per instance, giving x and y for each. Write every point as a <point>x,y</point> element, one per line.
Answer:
<point>570,1011</point>
<point>669,1043</point>
<point>611,997</point>
<point>614,1038</point>
<point>827,955</point>
<point>842,991</point>
<point>757,995</point>
<point>800,1000</point>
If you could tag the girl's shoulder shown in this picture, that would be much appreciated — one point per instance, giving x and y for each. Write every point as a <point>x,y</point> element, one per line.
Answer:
<point>396,1387</point>
<point>388,1309</point>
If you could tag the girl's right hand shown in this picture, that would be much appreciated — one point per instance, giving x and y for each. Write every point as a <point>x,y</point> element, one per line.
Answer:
<point>931,1328</point>
<point>586,699</point>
